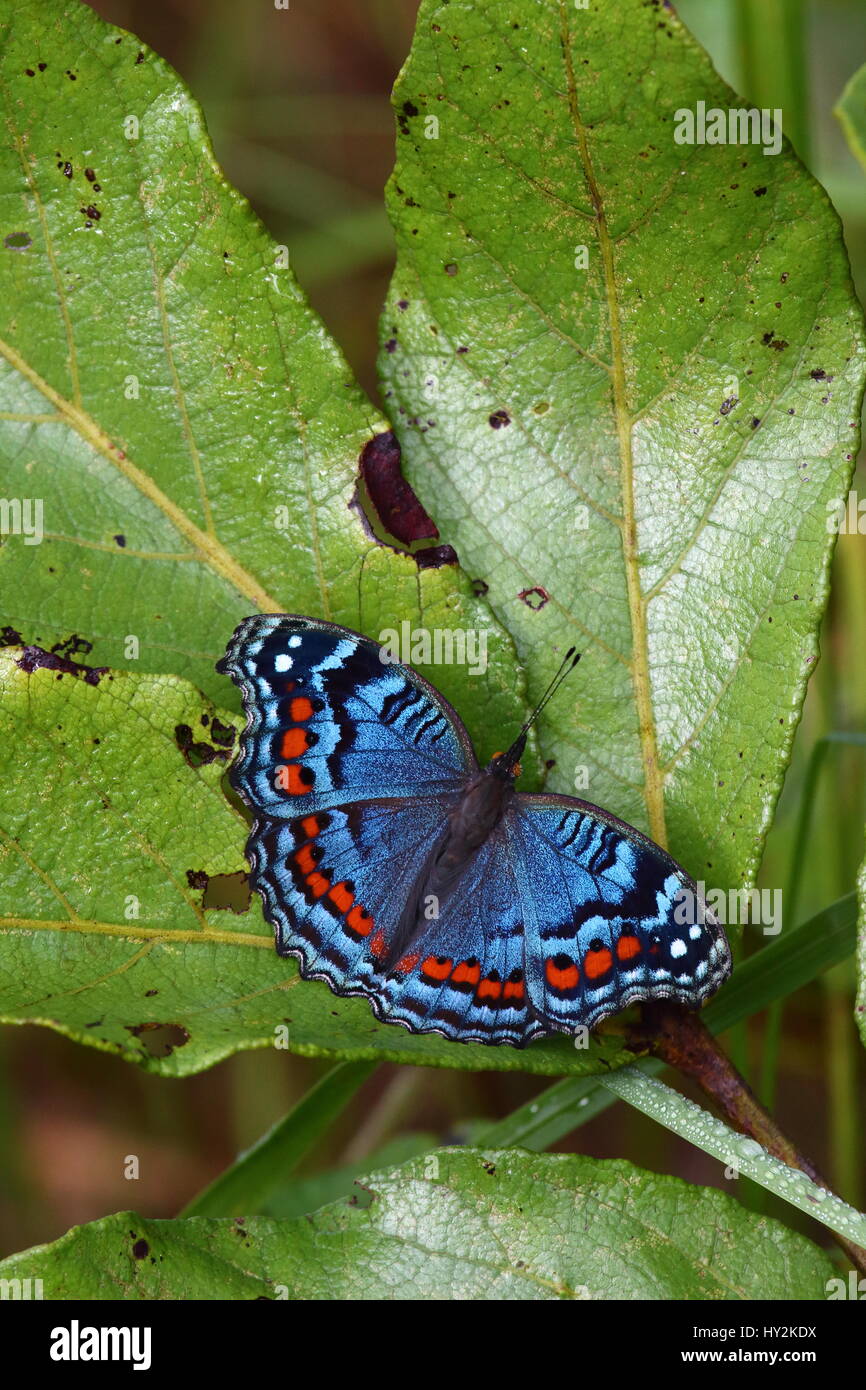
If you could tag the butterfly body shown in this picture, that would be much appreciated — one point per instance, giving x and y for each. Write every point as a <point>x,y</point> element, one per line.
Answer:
<point>392,866</point>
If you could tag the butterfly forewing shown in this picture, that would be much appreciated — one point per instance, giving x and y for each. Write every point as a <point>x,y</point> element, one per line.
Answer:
<point>330,722</point>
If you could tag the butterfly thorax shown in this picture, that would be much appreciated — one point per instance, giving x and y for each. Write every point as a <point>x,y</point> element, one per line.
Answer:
<point>476,815</point>
<point>468,827</point>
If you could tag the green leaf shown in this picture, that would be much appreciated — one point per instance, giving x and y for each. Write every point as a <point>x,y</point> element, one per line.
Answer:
<point>167,394</point>
<point>125,915</point>
<point>851,113</point>
<point>737,1151</point>
<point>636,456</point>
<point>460,1224</point>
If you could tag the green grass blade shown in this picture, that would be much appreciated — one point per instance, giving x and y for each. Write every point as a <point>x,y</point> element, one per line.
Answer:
<point>737,1152</point>
<point>241,1189</point>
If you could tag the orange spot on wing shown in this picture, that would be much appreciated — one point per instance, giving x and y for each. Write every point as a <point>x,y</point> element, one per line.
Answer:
<point>407,963</point>
<point>300,709</point>
<point>437,969</point>
<point>318,884</point>
<point>513,989</point>
<point>294,743</point>
<point>489,989</point>
<point>310,826</point>
<point>304,859</point>
<point>597,963</point>
<point>295,785</point>
<point>360,920</point>
<point>564,977</point>
<point>627,947</point>
<point>466,974</point>
<point>377,945</point>
<point>341,896</point>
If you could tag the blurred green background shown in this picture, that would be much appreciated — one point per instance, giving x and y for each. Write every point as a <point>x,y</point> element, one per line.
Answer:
<point>297,105</point>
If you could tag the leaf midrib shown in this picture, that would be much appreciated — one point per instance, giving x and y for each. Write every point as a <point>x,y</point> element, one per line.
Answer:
<point>639,665</point>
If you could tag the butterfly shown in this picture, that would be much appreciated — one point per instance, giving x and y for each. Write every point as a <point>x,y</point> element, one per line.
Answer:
<point>393,866</point>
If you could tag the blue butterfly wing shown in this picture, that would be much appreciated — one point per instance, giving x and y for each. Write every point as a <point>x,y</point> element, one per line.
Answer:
<point>463,976</point>
<point>328,722</point>
<point>608,917</point>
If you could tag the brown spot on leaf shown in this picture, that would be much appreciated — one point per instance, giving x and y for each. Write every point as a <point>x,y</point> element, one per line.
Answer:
<point>397,507</point>
<point>223,734</point>
<point>73,645</point>
<point>36,659</point>
<point>435,556</point>
<point>197,753</point>
<point>534,598</point>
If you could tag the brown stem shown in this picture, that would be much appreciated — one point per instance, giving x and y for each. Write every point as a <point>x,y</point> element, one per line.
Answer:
<point>682,1040</point>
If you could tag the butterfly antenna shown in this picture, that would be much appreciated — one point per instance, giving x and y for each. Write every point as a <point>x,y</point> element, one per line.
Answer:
<point>566,666</point>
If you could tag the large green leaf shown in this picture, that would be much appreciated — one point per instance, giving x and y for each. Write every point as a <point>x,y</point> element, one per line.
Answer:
<point>125,915</point>
<point>635,447</point>
<point>166,392</point>
<point>458,1224</point>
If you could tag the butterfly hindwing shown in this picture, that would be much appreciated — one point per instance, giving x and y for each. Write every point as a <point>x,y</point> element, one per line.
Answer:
<point>463,976</point>
<point>334,884</point>
<point>329,721</point>
<point>610,918</point>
